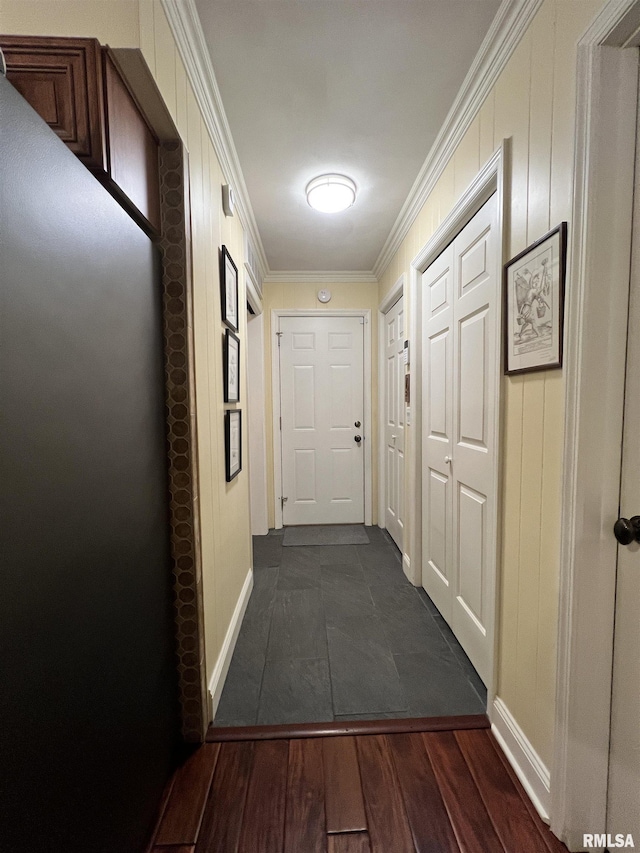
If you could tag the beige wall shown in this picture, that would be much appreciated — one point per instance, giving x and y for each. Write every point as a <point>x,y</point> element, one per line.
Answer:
<point>304,296</point>
<point>112,22</point>
<point>533,103</point>
<point>224,507</point>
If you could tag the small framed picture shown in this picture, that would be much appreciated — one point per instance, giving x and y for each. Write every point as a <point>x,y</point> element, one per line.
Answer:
<point>534,304</point>
<point>233,442</point>
<point>231,363</point>
<point>229,289</point>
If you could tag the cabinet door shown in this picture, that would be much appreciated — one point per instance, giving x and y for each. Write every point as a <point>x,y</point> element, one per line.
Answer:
<point>62,80</point>
<point>76,86</point>
<point>132,147</point>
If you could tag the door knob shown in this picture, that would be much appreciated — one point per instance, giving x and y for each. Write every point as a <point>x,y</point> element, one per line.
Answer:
<point>447,460</point>
<point>357,424</point>
<point>357,439</point>
<point>627,530</point>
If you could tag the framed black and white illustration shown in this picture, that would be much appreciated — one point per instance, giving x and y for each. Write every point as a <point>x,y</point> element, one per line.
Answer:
<point>231,363</point>
<point>229,289</point>
<point>233,443</point>
<point>534,304</point>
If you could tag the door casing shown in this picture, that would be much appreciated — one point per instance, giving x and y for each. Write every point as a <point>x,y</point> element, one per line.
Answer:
<point>275,385</point>
<point>256,425</point>
<point>595,357</point>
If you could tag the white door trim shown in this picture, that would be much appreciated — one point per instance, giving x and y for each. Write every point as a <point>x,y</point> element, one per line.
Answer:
<point>594,392</point>
<point>490,179</point>
<point>396,293</point>
<point>276,313</point>
<point>256,421</point>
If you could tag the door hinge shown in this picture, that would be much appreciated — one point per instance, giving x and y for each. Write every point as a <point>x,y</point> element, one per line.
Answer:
<point>280,423</point>
<point>278,336</point>
<point>283,501</point>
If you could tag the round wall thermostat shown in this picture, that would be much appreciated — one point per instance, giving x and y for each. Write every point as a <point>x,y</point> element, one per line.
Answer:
<point>324,295</point>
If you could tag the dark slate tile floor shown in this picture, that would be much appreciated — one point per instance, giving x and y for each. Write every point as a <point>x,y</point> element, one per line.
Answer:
<point>337,632</point>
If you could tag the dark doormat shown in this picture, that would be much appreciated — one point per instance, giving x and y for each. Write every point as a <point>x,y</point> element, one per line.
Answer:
<point>326,534</point>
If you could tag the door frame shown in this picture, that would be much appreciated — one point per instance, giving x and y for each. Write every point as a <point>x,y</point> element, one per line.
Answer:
<point>396,293</point>
<point>492,178</point>
<point>365,313</point>
<point>595,358</point>
<point>256,425</point>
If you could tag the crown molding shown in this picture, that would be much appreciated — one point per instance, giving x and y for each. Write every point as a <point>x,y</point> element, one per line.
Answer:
<point>615,26</point>
<point>321,277</point>
<point>183,19</point>
<point>511,22</point>
<point>508,27</point>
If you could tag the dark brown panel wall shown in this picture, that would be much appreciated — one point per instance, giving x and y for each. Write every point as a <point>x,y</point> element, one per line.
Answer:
<point>88,688</point>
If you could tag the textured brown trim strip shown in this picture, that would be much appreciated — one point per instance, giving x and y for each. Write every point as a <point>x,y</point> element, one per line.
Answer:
<point>182,444</point>
<point>353,727</point>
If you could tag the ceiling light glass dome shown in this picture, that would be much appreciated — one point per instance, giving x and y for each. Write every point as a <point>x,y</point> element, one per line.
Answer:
<point>331,193</point>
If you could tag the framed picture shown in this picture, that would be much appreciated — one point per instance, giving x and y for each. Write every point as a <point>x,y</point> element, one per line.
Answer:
<point>233,442</point>
<point>229,289</point>
<point>534,304</point>
<point>231,363</point>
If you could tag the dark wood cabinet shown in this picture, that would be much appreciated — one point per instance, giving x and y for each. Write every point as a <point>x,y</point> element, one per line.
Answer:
<point>75,85</point>
<point>132,147</point>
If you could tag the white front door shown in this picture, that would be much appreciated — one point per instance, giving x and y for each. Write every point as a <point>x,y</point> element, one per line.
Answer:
<point>623,806</point>
<point>460,334</point>
<point>322,412</point>
<point>394,422</point>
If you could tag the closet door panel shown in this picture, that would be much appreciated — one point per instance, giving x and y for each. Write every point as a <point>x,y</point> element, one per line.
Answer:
<point>437,438</point>
<point>460,368</point>
<point>473,470</point>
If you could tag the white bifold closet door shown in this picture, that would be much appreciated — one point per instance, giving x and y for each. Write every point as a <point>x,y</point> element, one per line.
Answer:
<point>460,342</point>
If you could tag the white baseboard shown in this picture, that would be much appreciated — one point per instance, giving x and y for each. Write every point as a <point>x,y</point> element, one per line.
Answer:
<point>226,652</point>
<point>526,762</point>
<point>406,568</point>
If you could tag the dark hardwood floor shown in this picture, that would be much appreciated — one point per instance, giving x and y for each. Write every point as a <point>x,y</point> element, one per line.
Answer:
<point>440,791</point>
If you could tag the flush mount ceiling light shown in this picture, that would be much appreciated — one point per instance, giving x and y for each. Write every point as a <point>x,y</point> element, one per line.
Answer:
<point>331,193</point>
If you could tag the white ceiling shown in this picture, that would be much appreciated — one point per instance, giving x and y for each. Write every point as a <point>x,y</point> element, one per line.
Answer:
<point>359,87</point>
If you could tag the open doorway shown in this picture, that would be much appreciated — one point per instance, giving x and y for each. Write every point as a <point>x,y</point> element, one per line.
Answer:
<point>339,628</point>
<point>337,633</point>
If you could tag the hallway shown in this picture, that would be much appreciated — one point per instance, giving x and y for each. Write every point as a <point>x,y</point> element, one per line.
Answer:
<point>336,633</point>
<point>443,789</point>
